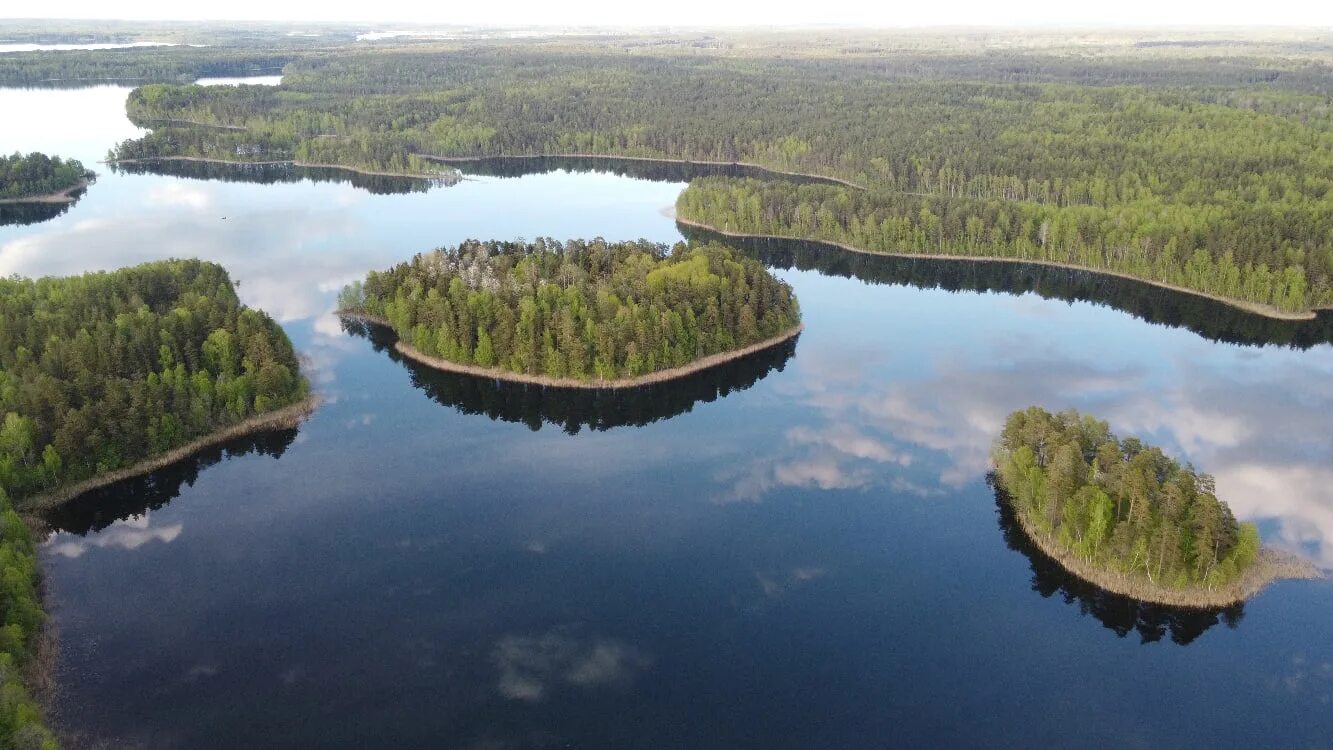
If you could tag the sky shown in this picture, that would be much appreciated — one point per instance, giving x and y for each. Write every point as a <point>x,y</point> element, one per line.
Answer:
<point>888,13</point>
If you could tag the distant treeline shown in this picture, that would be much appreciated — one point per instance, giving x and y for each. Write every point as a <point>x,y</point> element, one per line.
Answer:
<point>1219,177</point>
<point>1119,505</point>
<point>135,65</point>
<point>104,370</point>
<point>38,174</point>
<point>580,310</point>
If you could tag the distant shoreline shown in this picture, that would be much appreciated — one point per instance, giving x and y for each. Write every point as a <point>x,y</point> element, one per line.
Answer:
<point>284,418</point>
<point>59,196</point>
<point>496,373</point>
<point>1271,565</point>
<point>1251,307</point>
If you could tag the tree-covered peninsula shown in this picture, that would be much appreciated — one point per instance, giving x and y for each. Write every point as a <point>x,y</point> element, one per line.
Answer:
<point>110,374</point>
<point>37,176</point>
<point>1126,517</point>
<point>580,314</point>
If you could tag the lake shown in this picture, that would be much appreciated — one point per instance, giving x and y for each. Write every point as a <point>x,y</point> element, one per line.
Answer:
<point>798,550</point>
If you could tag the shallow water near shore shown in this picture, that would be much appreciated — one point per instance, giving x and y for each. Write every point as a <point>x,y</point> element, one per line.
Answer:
<point>798,550</point>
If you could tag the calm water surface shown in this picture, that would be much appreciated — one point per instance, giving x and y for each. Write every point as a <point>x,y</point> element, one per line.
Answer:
<point>797,551</point>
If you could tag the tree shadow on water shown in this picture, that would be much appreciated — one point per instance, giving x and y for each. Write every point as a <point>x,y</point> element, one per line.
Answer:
<point>98,509</point>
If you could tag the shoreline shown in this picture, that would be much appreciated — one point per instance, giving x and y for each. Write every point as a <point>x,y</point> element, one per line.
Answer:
<point>663,160</point>
<point>292,162</point>
<point>284,418</point>
<point>1256,308</point>
<point>60,196</point>
<point>496,373</point>
<point>1269,567</point>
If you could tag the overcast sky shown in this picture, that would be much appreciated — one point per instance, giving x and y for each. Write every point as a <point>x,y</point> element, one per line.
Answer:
<point>718,12</point>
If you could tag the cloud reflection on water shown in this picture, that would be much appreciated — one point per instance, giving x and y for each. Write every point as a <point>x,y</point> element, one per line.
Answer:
<point>1258,424</point>
<point>129,534</point>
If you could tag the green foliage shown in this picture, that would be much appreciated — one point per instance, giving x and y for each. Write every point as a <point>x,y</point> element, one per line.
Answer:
<point>104,370</point>
<point>582,310</point>
<point>1119,504</point>
<point>1212,177</point>
<point>1227,253</point>
<point>38,174</point>
<point>21,618</point>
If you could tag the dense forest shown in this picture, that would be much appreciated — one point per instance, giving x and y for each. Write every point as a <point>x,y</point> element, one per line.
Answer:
<point>1203,249</point>
<point>577,310</point>
<point>135,65</point>
<point>104,370</point>
<point>38,174</point>
<point>1219,178</point>
<point>1119,505</point>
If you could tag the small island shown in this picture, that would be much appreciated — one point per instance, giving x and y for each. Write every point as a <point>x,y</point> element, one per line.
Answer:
<point>38,178</point>
<point>578,314</point>
<point>108,375</point>
<point>1125,517</point>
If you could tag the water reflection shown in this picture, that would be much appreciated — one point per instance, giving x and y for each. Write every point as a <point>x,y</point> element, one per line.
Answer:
<point>22,214</point>
<point>1208,318</point>
<point>268,174</point>
<point>639,169</point>
<point>1119,614</point>
<point>573,409</point>
<point>137,496</point>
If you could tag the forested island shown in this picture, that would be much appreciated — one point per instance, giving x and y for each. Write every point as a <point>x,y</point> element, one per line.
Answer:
<point>578,313</point>
<point>106,375</point>
<point>1182,172</point>
<point>1124,516</point>
<point>39,178</point>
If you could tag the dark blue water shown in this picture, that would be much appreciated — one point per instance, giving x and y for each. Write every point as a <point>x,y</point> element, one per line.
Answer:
<point>798,551</point>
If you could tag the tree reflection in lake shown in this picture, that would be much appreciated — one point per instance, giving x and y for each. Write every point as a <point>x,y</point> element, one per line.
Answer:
<point>136,496</point>
<point>268,174</point>
<point>639,169</point>
<point>573,409</point>
<point>1120,614</point>
<point>22,214</point>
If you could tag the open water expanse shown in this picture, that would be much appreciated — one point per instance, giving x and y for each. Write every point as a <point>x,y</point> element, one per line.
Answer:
<point>795,550</point>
